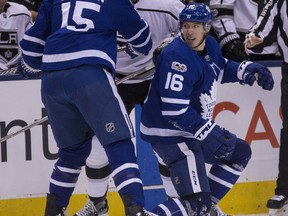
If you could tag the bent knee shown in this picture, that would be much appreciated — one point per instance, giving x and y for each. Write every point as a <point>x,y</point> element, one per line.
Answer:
<point>241,155</point>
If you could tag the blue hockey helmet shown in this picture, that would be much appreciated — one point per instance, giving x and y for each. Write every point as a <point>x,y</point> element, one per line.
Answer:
<point>196,12</point>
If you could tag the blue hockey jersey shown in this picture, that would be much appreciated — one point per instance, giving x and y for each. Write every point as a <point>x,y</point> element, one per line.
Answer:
<point>183,91</point>
<point>71,33</point>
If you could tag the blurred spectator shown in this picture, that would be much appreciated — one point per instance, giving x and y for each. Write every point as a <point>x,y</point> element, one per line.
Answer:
<point>14,20</point>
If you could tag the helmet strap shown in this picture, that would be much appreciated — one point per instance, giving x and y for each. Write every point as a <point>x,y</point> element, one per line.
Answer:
<point>201,42</point>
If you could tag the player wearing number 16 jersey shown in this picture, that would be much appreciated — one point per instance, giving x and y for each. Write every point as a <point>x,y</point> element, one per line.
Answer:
<point>177,116</point>
<point>74,44</point>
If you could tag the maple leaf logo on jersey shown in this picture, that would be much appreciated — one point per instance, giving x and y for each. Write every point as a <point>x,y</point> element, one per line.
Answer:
<point>208,101</point>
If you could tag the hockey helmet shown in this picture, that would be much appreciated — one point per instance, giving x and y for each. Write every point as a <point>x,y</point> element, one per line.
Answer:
<point>196,12</point>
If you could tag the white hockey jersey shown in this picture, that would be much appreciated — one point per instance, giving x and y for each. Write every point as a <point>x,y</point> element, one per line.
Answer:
<point>14,21</point>
<point>239,16</point>
<point>162,18</point>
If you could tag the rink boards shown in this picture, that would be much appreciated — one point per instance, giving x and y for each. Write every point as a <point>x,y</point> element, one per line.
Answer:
<point>26,160</point>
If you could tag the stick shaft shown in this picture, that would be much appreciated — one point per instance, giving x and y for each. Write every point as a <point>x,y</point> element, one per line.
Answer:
<point>37,122</point>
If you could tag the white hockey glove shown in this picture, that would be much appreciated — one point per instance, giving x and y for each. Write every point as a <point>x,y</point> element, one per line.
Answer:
<point>28,72</point>
<point>251,72</point>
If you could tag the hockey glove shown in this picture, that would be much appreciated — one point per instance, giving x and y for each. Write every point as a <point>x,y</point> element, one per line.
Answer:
<point>222,142</point>
<point>216,141</point>
<point>233,47</point>
<point>28,72</point>
<point>160,48</point>
<point>131,51</point>
<point>251,72</point>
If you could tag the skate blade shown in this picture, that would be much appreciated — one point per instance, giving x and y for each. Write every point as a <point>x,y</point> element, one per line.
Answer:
<point>279,212</point>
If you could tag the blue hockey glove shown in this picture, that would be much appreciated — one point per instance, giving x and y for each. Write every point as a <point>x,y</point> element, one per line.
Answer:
<point>219,143</point>
<point>131,51</point>
<point>251,72</point>
<point>28,72</point>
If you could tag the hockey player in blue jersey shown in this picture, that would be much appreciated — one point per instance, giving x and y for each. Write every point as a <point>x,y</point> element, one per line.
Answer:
<point>132,92</point>
<point>177,116</point>
<point>74,44</point>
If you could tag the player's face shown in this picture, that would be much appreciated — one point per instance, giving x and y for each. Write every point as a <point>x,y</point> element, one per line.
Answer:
<point>2,5</point>
<point>193,34</point>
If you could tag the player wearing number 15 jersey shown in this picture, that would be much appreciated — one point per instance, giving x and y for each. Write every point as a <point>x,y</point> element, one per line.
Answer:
<point>74,44</point>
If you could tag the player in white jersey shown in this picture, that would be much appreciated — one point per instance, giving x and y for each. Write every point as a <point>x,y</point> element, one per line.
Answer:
<point>233,19</point>
<point>31,5</point>
<point>162,18</point>
<point>15,19</point>
<point>274,16</point>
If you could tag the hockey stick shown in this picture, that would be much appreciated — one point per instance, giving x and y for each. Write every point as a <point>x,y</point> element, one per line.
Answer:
<point>45,118</point>
<point>37,122</point>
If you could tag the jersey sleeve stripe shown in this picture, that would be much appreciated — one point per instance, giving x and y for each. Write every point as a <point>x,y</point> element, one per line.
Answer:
<point>32,54</point>
<point>175,100</point>
<point>174,113</point>
<point>34,39</point>
<point>138,34</point>
<point>62,57</point>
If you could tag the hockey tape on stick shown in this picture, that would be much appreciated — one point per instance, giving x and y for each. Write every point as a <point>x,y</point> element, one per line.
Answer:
<point>256,78</point>
<point>44,119</point>
<point>121,48</point>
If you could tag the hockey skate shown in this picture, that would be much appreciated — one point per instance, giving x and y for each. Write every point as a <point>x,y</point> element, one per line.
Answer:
<point>94,209</point>
<point>52,209</point>
<point>134,210</point>
<point>216,211</point>
<point>278,205</point>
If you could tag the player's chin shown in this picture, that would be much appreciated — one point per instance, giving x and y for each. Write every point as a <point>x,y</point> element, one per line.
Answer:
<point>191,42</point>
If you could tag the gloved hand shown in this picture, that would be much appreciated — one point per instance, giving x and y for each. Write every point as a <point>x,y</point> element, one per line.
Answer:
<point>131,51</point>
<point>160,48</point>
<point>251,72</point>
<point>219,143</point>
<point>26,71</point>
<point>233,47</point>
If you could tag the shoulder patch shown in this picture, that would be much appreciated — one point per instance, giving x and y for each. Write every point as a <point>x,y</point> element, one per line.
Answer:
<point>178,66</point>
